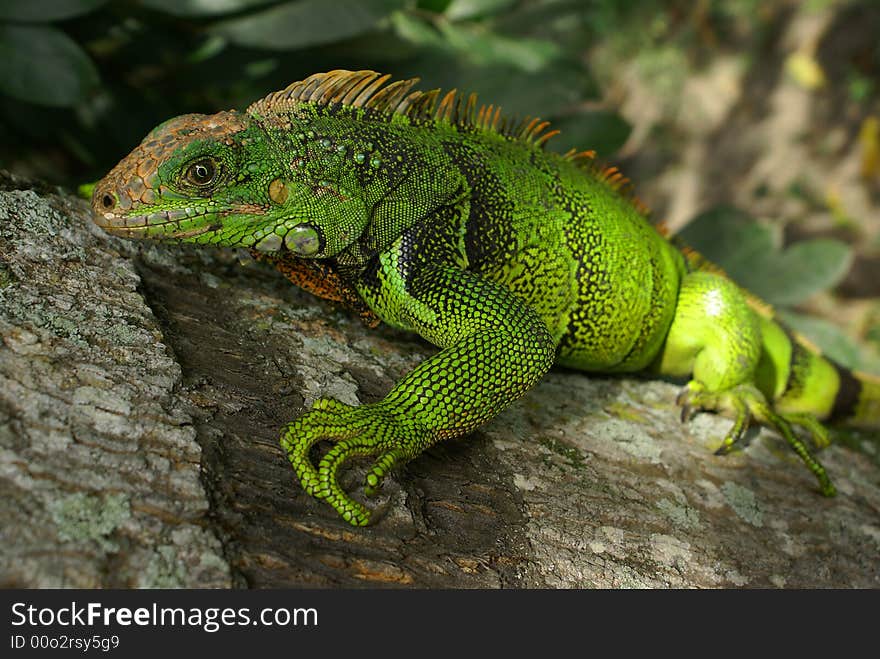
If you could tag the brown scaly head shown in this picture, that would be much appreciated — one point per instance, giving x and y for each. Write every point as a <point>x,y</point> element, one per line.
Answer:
<point>138,197</point>
<point>221,179</point>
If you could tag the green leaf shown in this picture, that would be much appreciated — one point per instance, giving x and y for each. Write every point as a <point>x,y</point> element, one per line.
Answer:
<point>483,47</point>
<point>210,47</point>
<point>517,92</point>
<point>42,65</point>
<point>202,7</point>
<point>306,23</point>
<point>466,9</point>
<point>749,252</point>
<point>601,130</point>
<point>728,237</point>
<point>44,11</point>
<point>85,190</point>
<point>437,6</point>
<point>417,30</point>
<point>475,43</point>
<point>830,339</point>
<point>805,269</point>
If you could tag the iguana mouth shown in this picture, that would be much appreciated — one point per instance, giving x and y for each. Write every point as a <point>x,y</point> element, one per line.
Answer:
<point>137,225</point>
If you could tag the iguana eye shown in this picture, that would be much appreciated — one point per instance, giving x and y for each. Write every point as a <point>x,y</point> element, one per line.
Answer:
<point>202,172</point>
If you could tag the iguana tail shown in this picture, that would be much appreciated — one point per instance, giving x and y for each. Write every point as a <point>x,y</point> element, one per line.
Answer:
<point>793,374</point>
<point>799,380</point>
<point>866,413</point>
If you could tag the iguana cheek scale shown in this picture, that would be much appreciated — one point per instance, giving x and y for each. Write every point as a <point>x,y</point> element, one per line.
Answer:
<point>451,221</point>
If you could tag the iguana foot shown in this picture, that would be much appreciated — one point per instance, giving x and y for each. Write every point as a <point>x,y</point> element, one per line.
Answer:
<point>363,431</point>
<point>747,403</point>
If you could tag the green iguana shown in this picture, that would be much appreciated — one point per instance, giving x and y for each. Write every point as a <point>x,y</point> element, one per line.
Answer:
<point>438,217</point>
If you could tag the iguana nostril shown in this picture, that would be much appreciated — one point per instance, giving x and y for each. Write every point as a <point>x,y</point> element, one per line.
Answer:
<point>108,202</point>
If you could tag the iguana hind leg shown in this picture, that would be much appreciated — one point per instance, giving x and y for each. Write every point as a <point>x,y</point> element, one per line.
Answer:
<point>748,403</point>
<point>717,337</point>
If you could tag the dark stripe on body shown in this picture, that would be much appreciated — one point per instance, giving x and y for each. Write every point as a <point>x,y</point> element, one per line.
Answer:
<point>847,399</point>
<point>488,235</point>
<point>798,365</point>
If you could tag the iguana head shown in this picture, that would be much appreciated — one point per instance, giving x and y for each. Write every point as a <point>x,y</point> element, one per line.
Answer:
<point>218,179</point>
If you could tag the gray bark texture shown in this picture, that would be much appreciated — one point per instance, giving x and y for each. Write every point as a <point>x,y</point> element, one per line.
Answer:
<point>142,388</point>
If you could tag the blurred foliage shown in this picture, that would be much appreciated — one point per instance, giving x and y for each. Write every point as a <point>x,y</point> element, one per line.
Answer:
<point>82,81</point>
<point>751,254</point>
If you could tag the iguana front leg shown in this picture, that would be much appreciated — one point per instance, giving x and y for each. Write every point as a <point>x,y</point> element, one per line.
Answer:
<point>494,349</point>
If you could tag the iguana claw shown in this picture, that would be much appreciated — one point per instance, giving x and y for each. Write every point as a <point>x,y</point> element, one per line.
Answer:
<point>747,403</point>
<point>364,431</point>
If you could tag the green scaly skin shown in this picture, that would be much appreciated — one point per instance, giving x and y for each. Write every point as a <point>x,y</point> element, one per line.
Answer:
<point>441,222</point>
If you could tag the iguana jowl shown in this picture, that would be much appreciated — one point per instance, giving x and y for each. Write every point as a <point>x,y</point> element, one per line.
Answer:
<point>445,219</point>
